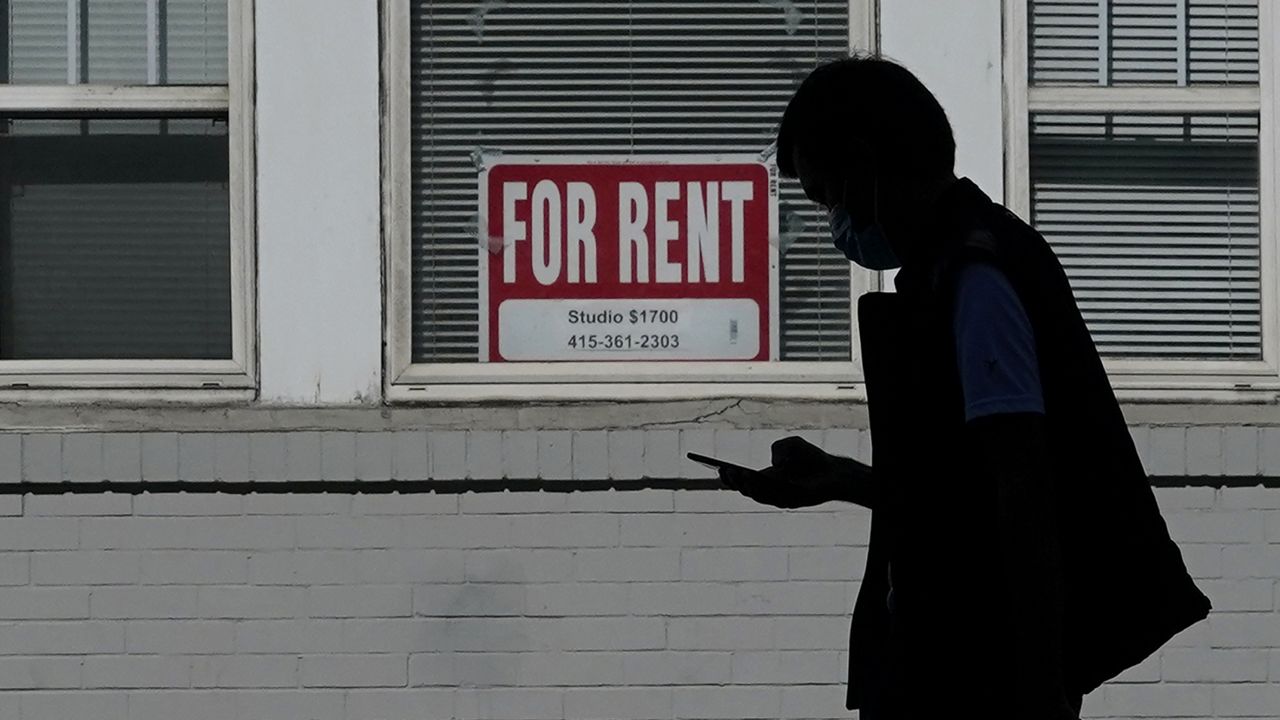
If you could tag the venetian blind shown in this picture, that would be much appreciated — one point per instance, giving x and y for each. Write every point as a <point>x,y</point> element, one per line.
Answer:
<point>115,240</point>
<point>116,42</point>
<point>1128,42</point>
<point>114,231</point>
<point>596,77</point>
<point>1155,215</point>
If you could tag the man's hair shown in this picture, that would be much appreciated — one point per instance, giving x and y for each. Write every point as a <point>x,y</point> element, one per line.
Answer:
<point>865,99</point>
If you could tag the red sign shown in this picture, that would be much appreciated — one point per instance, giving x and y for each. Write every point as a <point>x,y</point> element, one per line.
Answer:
<point>628,259</point>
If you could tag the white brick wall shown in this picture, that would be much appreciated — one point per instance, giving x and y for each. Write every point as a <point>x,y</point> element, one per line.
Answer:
<point>1167,451</point>
<point>644,604</point>
<point>635,603</point>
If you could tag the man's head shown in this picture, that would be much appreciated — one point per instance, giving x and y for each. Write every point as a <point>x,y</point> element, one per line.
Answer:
<point>865,134</point>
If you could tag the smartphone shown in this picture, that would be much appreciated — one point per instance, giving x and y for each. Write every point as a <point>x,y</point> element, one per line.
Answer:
<point>716,463</point>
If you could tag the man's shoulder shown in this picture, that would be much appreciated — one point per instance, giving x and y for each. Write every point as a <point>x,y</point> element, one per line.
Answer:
<point>976,248</point>
<point>979,242</point>
<point>980,277</point>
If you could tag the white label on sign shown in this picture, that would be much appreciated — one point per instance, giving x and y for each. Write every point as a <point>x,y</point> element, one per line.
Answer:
<point>683,329</point>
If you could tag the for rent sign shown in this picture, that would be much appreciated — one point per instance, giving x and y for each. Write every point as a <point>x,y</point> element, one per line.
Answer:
<point>628,259</point>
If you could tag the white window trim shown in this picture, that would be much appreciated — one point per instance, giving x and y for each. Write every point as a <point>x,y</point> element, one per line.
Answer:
<point>194,381</point>
<point>1164,380</point>
<point>407,381</point>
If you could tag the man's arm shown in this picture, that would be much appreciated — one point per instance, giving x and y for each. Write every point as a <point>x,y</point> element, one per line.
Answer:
<point>855,482</point>
<point>1014,454</point>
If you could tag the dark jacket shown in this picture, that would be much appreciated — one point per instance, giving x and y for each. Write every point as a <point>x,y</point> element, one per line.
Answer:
<point>1127,590</point>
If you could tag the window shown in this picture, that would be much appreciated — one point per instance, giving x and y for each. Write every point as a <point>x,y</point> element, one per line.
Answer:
<point>585,77</point>
<point>125,194</point>
<point>1141,145</point>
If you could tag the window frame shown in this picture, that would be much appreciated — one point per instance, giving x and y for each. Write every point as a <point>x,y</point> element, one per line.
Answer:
<point>164,379</point>
<point>406,381</point>
<point>1163,380</point>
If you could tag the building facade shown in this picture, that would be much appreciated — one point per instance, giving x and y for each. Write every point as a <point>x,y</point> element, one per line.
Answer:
<point>252,467</point>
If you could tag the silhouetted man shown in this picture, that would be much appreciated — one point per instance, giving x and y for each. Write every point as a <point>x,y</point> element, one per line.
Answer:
<point>1017,557</point>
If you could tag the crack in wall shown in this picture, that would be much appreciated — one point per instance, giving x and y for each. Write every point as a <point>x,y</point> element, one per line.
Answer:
<point>693,420</point>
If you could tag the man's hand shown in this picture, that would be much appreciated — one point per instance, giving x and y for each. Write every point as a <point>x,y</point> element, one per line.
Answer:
<point>802,475</point>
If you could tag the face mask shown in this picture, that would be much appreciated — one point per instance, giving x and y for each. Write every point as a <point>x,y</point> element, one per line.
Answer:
<point>868,247</point>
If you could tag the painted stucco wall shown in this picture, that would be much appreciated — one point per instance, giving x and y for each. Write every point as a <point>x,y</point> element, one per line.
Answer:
<point>319,247</point>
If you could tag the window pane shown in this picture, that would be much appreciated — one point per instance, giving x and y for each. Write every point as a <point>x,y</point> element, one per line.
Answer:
<point>1144,42</point>
<point>196,42</point>
<point>114,239</point>
<point>1155,219</point>
<point>116,42</point>
<point>36,50</point>
<point>593,77</point>
<point>113,43</point>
